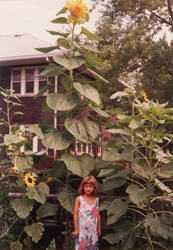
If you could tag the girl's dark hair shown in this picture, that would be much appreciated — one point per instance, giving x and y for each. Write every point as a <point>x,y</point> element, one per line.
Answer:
<point>88,180</point>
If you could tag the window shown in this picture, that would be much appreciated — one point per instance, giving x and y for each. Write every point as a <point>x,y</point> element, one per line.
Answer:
<point>36,146</point>
<point>29,84</point>
<point>26,81</point>
<point>42,80</point>
<point>17,81</point>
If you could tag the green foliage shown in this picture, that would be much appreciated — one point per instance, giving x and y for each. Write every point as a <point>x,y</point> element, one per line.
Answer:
<point>62,102</point>
<point>47,209</point>
<point>38,192</point>
<point>139,147</point>
<point>80,165</point>
<point>35,231</point>
<point>134,160</point>
<point>67,199</point>
<point>22,207</point>
<point>85,130</point>
<point>87,91</point>
<point>55,139</point>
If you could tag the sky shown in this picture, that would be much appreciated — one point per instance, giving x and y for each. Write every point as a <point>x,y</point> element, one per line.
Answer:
<point>34,17</point>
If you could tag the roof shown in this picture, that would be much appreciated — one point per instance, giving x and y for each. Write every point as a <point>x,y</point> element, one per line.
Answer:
<point>20,49</point>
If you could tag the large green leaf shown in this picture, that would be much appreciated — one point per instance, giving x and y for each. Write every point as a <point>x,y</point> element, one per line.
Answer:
<point>38,192</point>
<point>116,209</point>
<point>90,35</point>
<point>137,195</point>
<point>57,140</point>
<point>16,245</point>
<point>134,124</point>
<point>119,94</point>
<point>111,154</point>
<point>63,42</point>
<point>79,165</point>
<point>58,170</point>
<point>69,64</point>
<point>142,170</point>
<point>85,130</point>
<point>62,11</point>
<point>47,209</point>
<point>56,33</point>
<point>115,181</point>
<point>119,131</point>
<point>36,130</point>
<point>11,138</point>
<point>123,230</point>
<point>42,91</point>
<point>47,49</point>
<point>35,231</point>
<point>104,205</point>
<point>97,76</point>
<point>166,170</point>
<point>87,91</point>
<point>61,20</point>
<point>92,60</point>
<point>100,112</point>
<point>111,238</point>
<point>62,102</point>
<point>22,207</point>
<point>67,199</point>
<point>160,225</point>
<point>89,47</point>
<point>22,162</point>
<point>52,70</point>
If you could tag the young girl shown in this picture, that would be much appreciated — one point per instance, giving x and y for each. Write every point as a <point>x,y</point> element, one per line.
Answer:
<point>87,226</point>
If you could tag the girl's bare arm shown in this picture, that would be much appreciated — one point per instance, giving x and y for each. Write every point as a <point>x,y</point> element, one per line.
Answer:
<point>76,216</point>
<point>99,225</point>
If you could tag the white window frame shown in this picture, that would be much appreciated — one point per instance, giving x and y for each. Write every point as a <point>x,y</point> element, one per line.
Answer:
<point>23,81</point>
<point>34,149</point>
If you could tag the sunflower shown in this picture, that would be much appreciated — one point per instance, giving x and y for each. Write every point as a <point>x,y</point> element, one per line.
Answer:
<point>143,93</point>
<point>77,10</point>
<point>29,180</point>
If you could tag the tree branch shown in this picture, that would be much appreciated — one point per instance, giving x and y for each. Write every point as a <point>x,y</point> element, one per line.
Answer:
<point>170,9</point>
<point>161,19</point>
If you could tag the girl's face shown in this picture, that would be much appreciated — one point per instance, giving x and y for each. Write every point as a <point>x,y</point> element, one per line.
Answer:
<point>88,188</point>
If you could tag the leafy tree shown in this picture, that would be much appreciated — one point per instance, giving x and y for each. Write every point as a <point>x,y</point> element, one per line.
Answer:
<point>129,49</point>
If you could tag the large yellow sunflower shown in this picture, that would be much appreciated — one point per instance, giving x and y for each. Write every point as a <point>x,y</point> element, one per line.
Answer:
<point>29,180</point>
<point>77,9</point>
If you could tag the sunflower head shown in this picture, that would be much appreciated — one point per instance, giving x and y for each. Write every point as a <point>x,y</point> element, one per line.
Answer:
<point>143,93</point>
<point>29,180</point>
<point>77,9</point>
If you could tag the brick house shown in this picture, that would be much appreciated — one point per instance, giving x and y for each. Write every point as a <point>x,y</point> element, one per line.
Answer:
<point>20,65</point>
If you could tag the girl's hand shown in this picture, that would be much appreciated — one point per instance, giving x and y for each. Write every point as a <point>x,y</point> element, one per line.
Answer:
<point>99,231</point>
<point>75,233</point>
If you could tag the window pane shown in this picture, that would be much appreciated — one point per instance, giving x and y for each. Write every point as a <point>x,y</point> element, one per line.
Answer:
<point>41,147</point>
<point>42,80</point>
<point>29,87</point>
<point>29,74</point>
<point>16,87</point>
<point>42,84</point>
<point>16,76</point>
<point>29,80</point>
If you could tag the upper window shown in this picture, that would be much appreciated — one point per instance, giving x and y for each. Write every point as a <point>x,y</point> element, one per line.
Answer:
<point>26,82</point>
<point>17,81</point>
